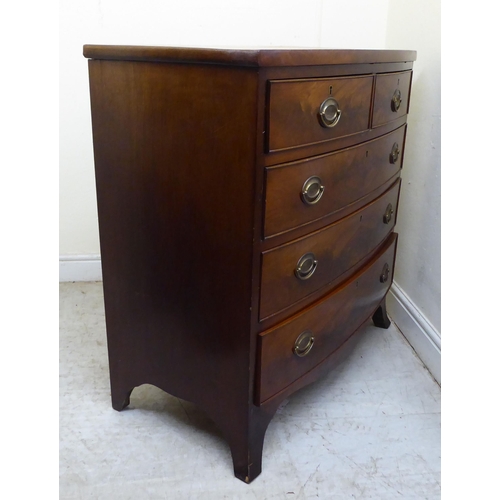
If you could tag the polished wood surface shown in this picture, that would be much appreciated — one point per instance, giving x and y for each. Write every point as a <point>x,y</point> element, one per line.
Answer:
<point>176,243</point>
<point>273,158</point>
<point>337,249</point>
<point>294,105</point>
<point>247,56</point>
<point>385,86</point>
<point>331,322</point>
<point>347,176</point>
<point>185,187</point>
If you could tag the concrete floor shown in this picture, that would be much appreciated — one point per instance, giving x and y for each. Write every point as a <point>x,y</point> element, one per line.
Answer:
<point>369,430</point>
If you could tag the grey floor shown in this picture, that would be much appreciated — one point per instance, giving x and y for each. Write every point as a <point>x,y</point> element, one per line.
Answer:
<point>370,430</point>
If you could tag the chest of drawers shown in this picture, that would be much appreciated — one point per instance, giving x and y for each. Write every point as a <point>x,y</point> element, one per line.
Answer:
<point>246,201</point>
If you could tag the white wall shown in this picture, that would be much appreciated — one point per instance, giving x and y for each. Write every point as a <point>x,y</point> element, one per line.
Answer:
<point>417,304</point>
<point>419,269</point>
<point>312,23</point>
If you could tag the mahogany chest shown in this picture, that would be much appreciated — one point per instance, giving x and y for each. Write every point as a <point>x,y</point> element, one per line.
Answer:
<point>246,202</point>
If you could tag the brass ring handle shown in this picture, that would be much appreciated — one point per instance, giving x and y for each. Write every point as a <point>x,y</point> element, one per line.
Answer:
<point>396,100</point>
<point>393,157</point>
<point>303,344</point>
<point>329,112</point>
<point>312,190</point>
<point>306,266</point>
<point>385,274</point>
<point>388,214</point>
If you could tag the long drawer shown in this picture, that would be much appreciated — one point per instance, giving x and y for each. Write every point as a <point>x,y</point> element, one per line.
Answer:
<point>296,346</point>
<point>304,191</point>
<point>292,271</point>
<point>309,111</point>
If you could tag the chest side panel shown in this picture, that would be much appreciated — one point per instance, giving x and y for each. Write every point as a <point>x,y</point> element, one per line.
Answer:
<point>175,182</point>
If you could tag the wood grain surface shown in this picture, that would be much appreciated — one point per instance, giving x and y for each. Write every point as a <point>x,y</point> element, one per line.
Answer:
<point>385,86</point>
<point>337,249</point>
<point>347,176</point>
<point>184,189</point>
<point>247,56</point>
<point>294,110</point>
<point>331,321</point>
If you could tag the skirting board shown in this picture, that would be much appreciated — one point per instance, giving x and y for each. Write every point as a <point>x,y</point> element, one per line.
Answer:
<point>80,268</point>
<point>416,328</point>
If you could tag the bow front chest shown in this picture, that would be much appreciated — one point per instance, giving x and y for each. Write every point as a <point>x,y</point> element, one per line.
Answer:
<point>246,202</point>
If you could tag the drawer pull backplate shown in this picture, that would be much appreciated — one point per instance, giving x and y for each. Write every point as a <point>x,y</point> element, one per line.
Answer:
<point>388,214</point>
<point>394,153</point>
<point>329,112</point>
<point>396,100</point>
<point>303,344</point>
<point>385,273</point>
<point>312,190</point>
<point>306,266</point>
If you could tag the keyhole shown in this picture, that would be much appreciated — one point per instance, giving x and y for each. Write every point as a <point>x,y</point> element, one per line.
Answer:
<point>360,218</point>
<point>331,88</point>
<point>367,154</point>
<point>398,81</point>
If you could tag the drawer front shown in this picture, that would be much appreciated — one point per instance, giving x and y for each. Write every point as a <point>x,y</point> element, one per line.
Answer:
<point>295,110</point>
<point>295,270</point>
<point>293,348</point>
<point>307,190</point>
<point>392,97</point>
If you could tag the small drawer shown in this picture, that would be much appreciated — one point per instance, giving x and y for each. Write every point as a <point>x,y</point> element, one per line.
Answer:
<point>304,191</point>
<point>303,112</point>
<point>296,346</point>
<point>293,271</point>
<point>392,97</point>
